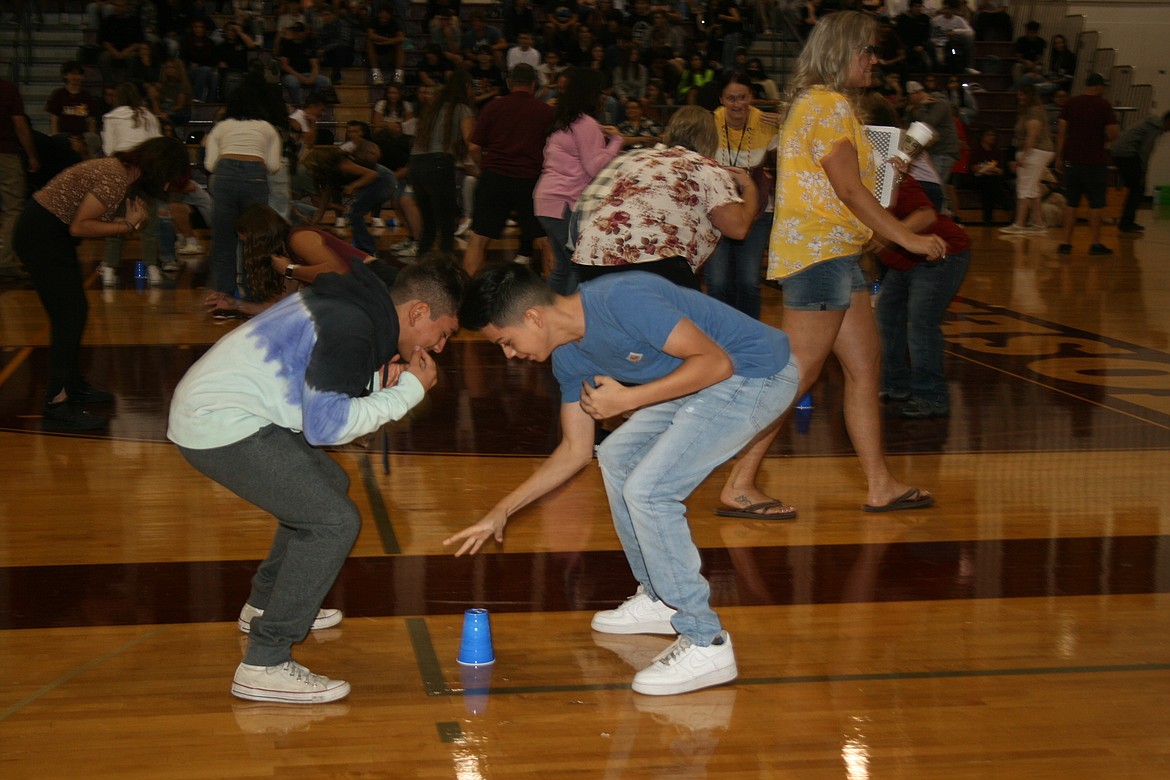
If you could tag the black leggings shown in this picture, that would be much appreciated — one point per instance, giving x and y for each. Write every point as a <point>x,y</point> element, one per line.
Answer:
<point>433,179</point>
<point>43,243</point>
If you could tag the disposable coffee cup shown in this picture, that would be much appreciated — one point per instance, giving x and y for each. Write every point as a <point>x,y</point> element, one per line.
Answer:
<point>914,140</point>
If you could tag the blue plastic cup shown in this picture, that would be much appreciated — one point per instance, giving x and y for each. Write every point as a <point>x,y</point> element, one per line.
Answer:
<point>805,402</point>
<point>476,646</point>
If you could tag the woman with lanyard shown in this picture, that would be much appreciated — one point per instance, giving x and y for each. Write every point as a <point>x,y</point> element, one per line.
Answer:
<point>746,136</point>
<point>83,202</point>
<point>825,215</point>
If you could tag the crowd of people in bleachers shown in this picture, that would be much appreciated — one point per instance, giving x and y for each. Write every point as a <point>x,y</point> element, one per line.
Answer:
<point>160,60</point>
<point>649,57</point>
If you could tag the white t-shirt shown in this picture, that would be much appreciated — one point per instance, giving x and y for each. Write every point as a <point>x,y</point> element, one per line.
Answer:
<point>516,55</point>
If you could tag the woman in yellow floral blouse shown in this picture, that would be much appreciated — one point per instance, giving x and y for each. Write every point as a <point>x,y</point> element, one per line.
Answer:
<point>825,214</point>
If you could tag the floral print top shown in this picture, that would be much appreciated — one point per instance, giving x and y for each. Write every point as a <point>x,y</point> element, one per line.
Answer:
<point>811,224</point>
<point>655,207</point>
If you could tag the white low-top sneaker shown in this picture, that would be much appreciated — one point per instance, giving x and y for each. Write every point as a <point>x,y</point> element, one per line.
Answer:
<point>639,614</point>
<point>288,682</point>
<point>326,618</point>
<point>685,667</point>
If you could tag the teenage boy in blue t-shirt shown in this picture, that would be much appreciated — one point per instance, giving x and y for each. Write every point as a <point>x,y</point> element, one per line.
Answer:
<point>701,379</point>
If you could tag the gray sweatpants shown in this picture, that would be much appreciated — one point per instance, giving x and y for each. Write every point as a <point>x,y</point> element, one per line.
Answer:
<point>306,490</point>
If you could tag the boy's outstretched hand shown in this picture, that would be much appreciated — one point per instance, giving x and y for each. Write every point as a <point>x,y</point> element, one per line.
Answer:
<point>474,536</point>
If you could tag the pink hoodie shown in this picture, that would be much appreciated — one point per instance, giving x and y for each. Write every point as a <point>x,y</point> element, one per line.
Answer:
<point>572,157</point>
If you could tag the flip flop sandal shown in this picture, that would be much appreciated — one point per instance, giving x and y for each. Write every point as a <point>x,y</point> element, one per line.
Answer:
<point>758,511</point>
<point>911,499</point>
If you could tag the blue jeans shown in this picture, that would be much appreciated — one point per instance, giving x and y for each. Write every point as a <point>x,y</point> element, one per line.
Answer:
<point>563,278</point>
<point>295,87</point>
<point>370,199</point>
<point>655,459</point>
<point>236,186</point>
<point>943,163</point>
<point>733,270</point>
<point>279,196</point>
<point>910,311</point>
<point>204,83</point>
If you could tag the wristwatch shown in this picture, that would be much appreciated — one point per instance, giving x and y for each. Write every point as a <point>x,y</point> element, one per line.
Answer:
<point>289,269</point>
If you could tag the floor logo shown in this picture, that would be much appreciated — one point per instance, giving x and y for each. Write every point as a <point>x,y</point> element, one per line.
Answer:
<point>1120,376</point>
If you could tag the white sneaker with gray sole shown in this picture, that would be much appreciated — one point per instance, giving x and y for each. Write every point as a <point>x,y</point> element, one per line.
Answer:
<point>288,682</point>
<point>685,667</point>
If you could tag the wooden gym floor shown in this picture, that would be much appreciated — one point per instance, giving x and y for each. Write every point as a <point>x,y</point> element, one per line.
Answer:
<point>1019,629</point>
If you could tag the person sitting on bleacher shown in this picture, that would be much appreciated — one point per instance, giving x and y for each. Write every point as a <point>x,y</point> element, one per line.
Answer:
<point>480,35</point>
<point>560,25</point>
<point>392,108</point>
<point>290,14</point>
<point>446,35</point>
<point>170,100</point>
<point>202,58</point>
<point>384,39</point>
<point>437,8</point>
<point>173,20</point>
<point>232,57</point>
<point>303,123</point>
<point>663,36</point>
<point>954,38</point>
<point>335,40</point>
<point>433,68</point>
<point>913,27</point>
<point>299,65</point>
<point>119,37</point>
<point>523,52</point>
<point>1029,53</point>
<point>517,19</point>
<point>249,14</point>
<point>548,74</point>
<point>73,111</point>
<point>637,130</point>
<point>488,82</point>
<point>199,12</point>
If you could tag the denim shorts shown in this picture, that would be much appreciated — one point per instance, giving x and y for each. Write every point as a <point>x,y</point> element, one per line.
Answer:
<point>826,286</point>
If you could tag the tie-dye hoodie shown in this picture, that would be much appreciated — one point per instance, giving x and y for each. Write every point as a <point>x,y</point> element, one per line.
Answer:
<point>303,364</point>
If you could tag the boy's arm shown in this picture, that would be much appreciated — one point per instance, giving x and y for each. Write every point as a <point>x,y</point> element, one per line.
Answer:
<point>574,453</point>
<point>704,363</point>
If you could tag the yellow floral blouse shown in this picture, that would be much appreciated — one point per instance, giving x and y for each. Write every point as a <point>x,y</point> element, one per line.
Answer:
<point>811,224</point>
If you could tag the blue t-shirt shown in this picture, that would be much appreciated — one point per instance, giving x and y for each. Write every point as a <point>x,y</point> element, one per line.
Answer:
<point>630,315</point>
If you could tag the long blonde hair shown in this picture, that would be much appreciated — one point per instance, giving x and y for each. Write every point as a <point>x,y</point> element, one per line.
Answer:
<point>827,58</point>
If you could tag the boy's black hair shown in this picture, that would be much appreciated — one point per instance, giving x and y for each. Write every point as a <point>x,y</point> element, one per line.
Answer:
<point>438,280</point>
<point>500,295</point>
